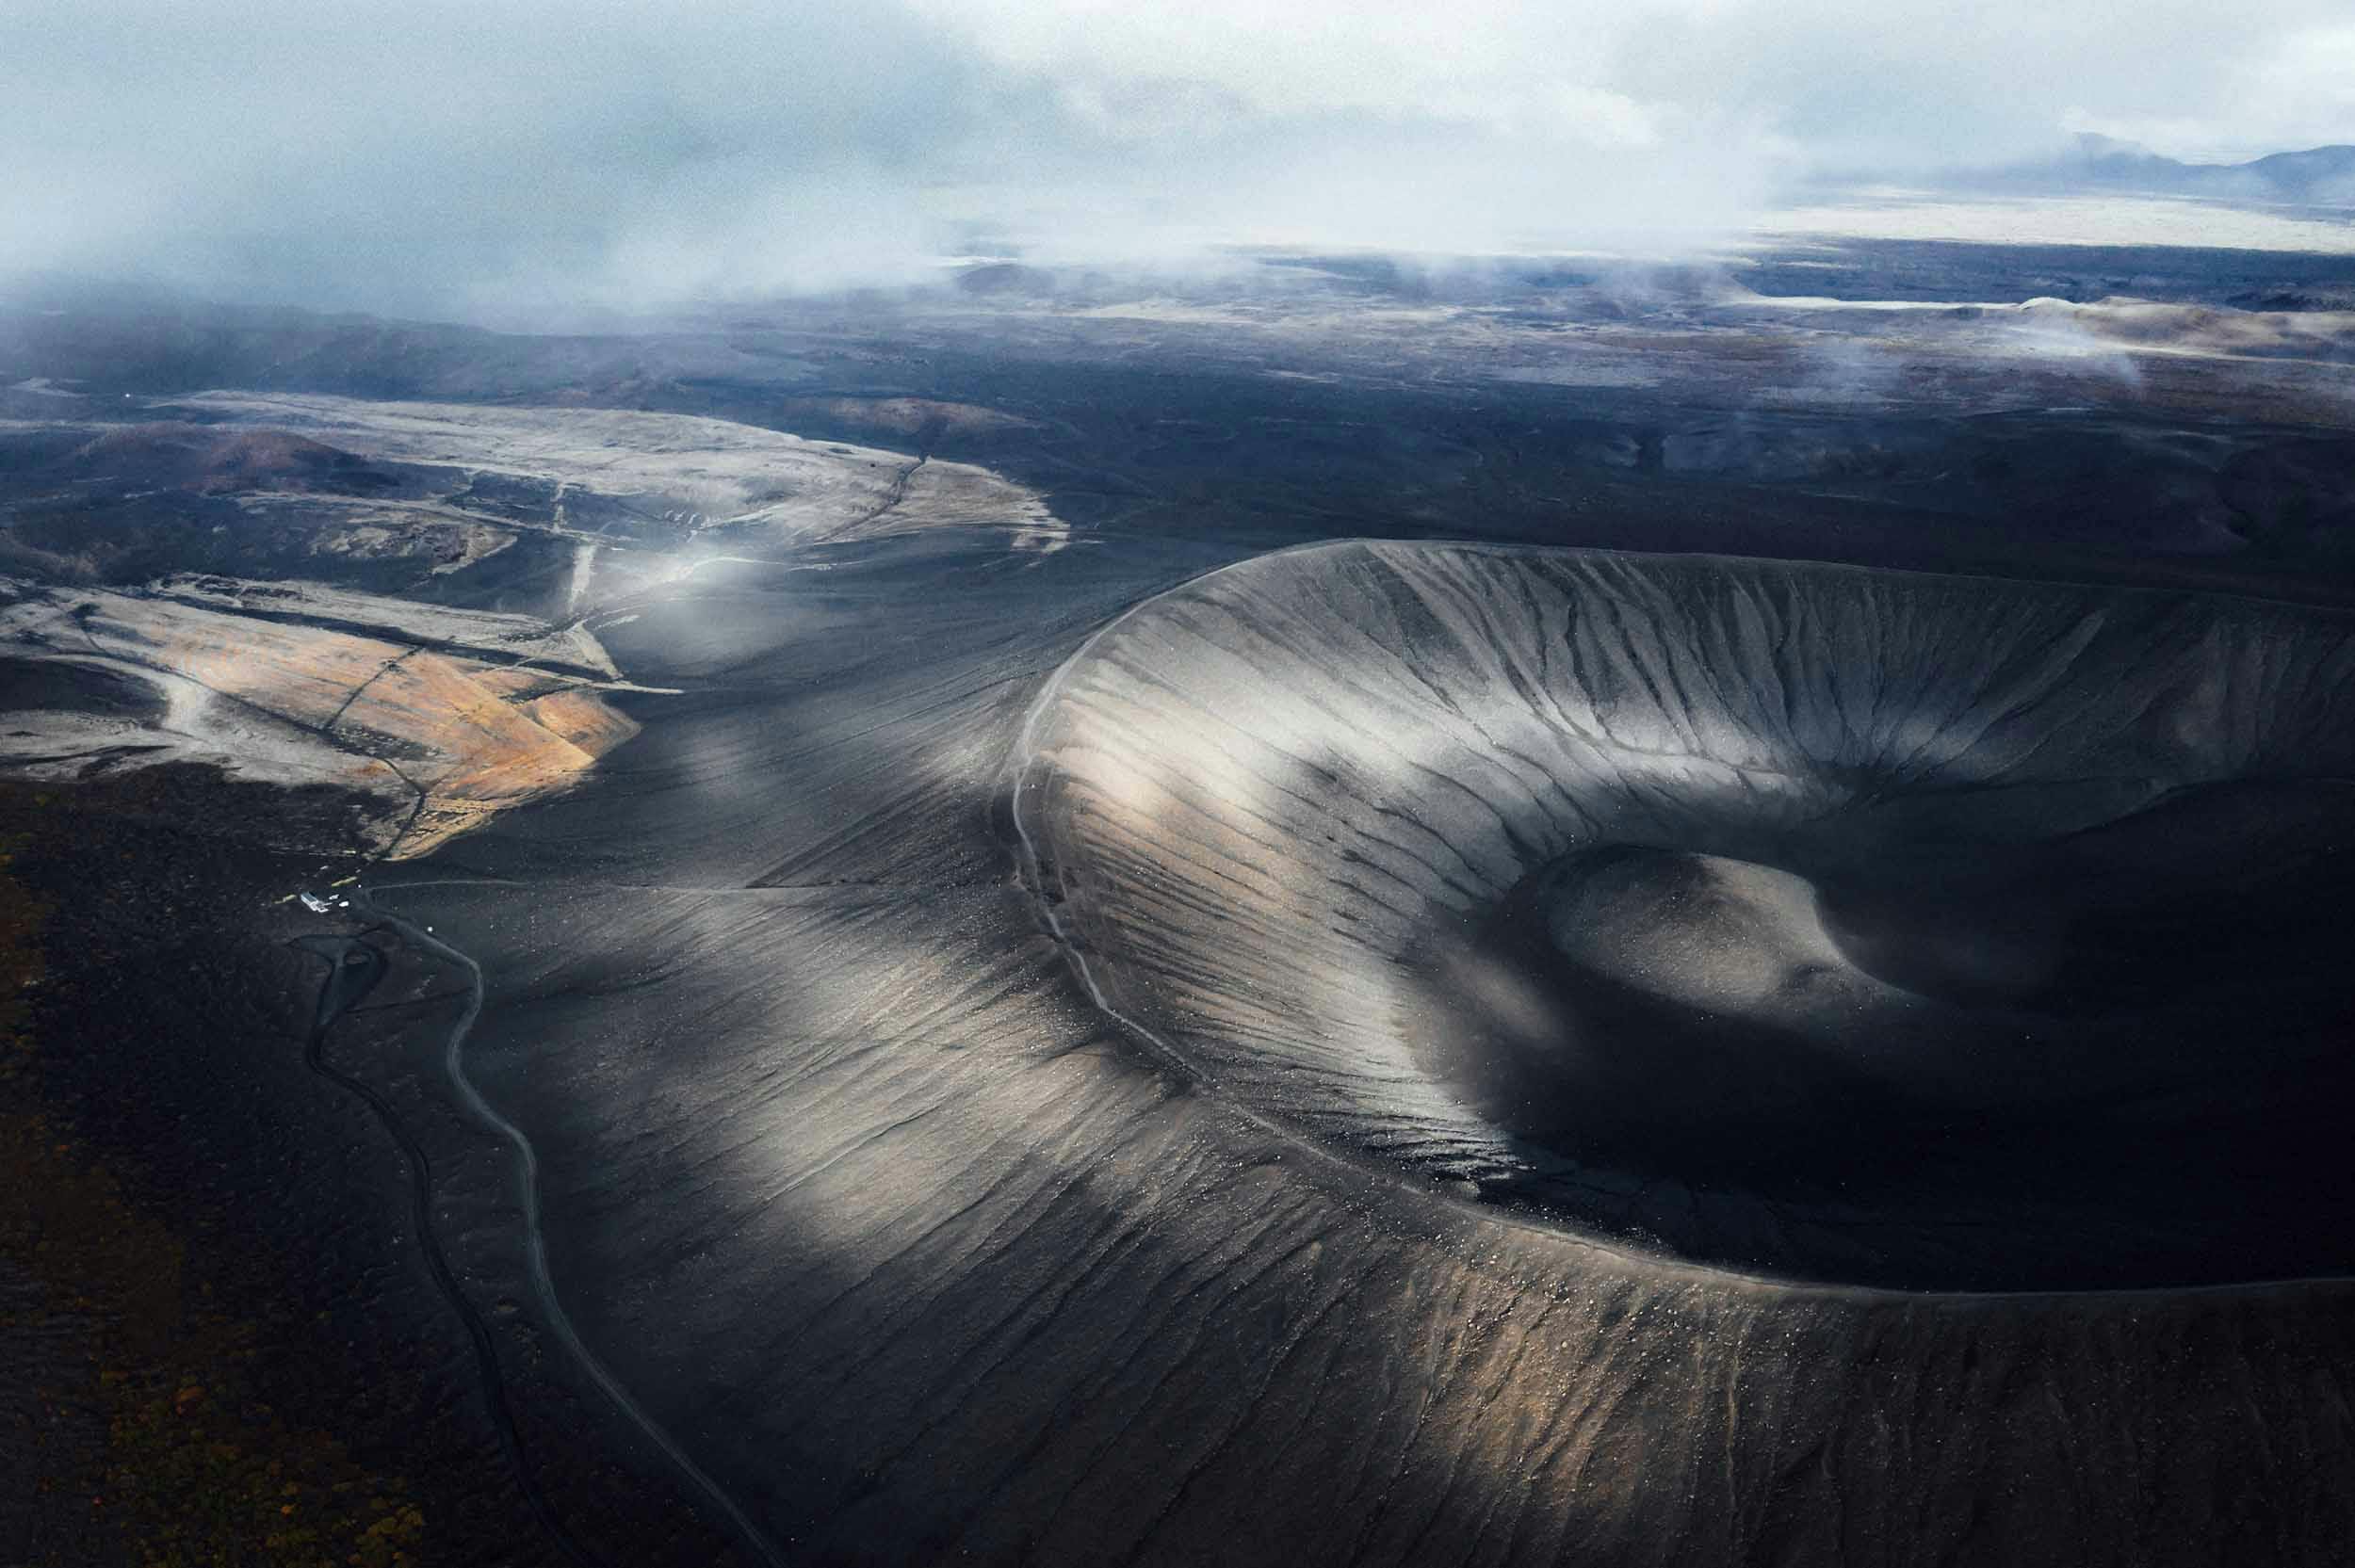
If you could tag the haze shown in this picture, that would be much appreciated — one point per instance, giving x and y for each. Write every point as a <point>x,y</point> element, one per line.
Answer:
<point>502,163</point>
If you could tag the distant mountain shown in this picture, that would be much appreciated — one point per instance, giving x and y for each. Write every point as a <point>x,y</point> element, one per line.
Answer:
<point>2320,176</point>
<point>2324,175</point>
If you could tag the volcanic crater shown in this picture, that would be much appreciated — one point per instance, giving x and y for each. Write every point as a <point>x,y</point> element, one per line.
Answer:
<point>1819,922</point>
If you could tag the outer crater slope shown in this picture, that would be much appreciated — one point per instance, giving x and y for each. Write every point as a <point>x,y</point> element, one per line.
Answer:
<point>1824,922</point>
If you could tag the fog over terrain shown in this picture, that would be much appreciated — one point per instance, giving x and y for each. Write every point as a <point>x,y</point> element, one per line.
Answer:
<point>505,162</point>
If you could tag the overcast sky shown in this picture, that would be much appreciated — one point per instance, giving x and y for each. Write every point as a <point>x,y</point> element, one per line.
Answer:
<point>493,158</point>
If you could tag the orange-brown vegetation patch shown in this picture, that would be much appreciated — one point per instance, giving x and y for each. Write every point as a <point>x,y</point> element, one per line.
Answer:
<point>475,737</point>
<point>490,749</point>
<point>584,718</point>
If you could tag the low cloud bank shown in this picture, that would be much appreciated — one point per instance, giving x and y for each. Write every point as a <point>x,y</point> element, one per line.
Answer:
<point>504,162</point>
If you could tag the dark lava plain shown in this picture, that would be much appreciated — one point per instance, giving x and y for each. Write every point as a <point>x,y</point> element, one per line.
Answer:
<point>815,1209</point>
